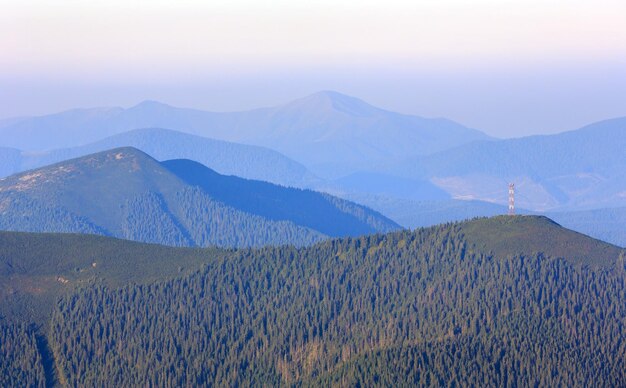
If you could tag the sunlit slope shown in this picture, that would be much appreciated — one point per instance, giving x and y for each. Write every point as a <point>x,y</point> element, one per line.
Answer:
<point>518,235</point>
<point>126,193</point>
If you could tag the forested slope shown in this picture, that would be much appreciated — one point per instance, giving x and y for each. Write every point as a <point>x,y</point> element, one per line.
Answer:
<point>35,268</point>
<point>20,359</point>
<point>324,213</point>
<point>435,306</point>
<point>126,193</point>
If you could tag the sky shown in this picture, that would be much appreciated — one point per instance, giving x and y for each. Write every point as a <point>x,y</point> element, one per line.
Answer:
<point>510,68</point>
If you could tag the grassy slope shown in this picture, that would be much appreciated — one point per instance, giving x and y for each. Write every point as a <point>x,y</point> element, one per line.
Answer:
<point>36,268</point>
<point>505,235</point>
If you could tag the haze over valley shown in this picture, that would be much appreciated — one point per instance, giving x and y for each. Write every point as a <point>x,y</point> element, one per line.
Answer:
<point>341,145</point>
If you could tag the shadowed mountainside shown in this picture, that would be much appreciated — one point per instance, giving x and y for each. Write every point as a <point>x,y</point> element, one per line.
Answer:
<point>126,193</point>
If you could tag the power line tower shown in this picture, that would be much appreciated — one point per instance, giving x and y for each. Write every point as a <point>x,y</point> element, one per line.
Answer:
<point>511,199</point>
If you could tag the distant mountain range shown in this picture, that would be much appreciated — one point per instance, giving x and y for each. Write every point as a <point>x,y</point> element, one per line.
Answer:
<point>126,193</point>
<point>575,170</point>
<point>330,133</point>
<point>366,183</point>
<point>320,291</point>
<point>577,178</point>
<point>251,162</point>
<point>416,171</point>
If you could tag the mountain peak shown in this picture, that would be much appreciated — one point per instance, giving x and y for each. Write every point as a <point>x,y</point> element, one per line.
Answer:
<point>331,95</point>
<point>126,193</point>
<point>110,162</point>
<point>123,152</point>
<point>150,104</point>
<point>328,100</point>
<point>131,158</point>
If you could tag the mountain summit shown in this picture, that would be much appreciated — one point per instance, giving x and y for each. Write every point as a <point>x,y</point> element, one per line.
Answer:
<point>125,193</point>
<point>328,101</point>
<point>518,235</point>
<point>150,104</point>
<point>329,132</point>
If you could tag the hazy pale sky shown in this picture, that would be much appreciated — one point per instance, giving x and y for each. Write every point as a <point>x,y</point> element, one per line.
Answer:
<point>508,67</point>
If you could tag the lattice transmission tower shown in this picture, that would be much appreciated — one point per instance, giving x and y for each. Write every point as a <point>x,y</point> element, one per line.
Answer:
<point>511,199</point>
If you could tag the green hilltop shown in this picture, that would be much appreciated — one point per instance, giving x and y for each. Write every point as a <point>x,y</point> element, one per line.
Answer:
<point>516,235</point>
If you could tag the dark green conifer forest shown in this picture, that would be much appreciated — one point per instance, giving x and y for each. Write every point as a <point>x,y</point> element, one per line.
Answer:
<point>427,307</point>
<point>20,360</point>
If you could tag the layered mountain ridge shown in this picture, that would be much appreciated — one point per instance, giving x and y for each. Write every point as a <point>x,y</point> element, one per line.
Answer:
<point>580,169</point>
<point>125,193</point>
<point>251,162</point>
<point>327,131</point>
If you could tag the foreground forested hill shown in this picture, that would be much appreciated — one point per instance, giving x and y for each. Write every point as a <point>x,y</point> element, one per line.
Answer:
<point>436,306</point>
